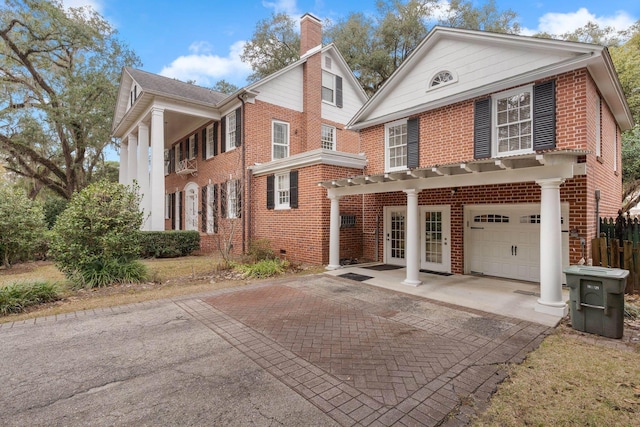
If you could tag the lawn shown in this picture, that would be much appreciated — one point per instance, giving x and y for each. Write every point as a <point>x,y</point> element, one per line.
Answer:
<point>568,381</point>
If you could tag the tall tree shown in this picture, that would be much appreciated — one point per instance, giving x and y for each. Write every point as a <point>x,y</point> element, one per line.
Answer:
<point>59,71</point>
<point>275,44</point>
<point>225,87</point>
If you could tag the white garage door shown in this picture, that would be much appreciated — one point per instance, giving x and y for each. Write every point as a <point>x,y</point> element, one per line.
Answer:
<point>504,240</point>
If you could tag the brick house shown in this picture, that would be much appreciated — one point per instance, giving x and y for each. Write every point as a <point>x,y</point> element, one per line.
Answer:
<point>246,166</point>
<point>488,154</point>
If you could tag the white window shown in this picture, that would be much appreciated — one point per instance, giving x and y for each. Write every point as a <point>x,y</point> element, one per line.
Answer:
<point>210,147</point>
<point>191,149</point>
<point>166,162</point>
<point>231,131</point>
<point>232,198</point>
<point>615,150</point>
<point>513,123</point>
<point>280,138</point>
<point>177,213</point>
<point>167,206</point>
<point>328,137</point>
<point>442,78</point>
<point>328,87</point>
<point>211,208</point>
<point>395,145</point>
<point>177,155</point>
<point>282,194</point>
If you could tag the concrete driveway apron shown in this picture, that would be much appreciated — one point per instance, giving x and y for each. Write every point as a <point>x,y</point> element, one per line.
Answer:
<point>312,350</point>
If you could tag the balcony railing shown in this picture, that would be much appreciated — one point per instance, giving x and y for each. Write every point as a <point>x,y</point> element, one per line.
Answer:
<point>187,166</point>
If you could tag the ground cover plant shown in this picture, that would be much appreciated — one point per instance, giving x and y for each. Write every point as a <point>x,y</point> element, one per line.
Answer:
<point>18,296</point>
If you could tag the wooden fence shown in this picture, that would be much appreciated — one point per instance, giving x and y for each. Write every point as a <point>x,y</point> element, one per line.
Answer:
<point>619,246</point>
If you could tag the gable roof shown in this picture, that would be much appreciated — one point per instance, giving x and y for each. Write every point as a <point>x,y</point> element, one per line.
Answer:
<point>487,63</point>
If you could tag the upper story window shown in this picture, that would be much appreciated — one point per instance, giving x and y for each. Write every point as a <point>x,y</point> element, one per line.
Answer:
<point>210,141</point>
<point>395,139</point>
<point>167,162</point>
<point>598,120</point>
<point>328,87</point>
<point>280,139</point>
<point>191,147</point>
<point>231,131</point>
<point>513,121</point>
<point>443,77</point>
<point>328,137</point>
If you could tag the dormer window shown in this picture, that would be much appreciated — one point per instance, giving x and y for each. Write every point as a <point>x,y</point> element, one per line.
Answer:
<point>442,78</point>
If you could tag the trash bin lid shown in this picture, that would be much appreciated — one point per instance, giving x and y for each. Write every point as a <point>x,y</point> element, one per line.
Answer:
<point>587,270</point>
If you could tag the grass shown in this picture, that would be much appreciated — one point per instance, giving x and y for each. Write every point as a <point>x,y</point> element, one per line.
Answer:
<point>568,382</point>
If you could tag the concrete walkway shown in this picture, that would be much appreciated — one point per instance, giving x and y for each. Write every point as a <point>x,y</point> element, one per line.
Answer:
<point>315,350</point>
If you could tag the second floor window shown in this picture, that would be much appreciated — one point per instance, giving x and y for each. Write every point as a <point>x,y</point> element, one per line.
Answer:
<point>513,125</point>
<point>280,138</point>
<point>231,131</point>
<point>210,147</point>
<point>396,145</point>
<point>328,87</point>
<point>192,147</point>
<point>328,137</point>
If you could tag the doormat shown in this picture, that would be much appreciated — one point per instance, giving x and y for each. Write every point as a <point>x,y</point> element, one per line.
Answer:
<point>383,267</point>
<point>439,273</point>
<point>355,276</point>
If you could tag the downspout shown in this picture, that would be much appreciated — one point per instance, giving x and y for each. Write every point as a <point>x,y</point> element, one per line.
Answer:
<point>246,217</point>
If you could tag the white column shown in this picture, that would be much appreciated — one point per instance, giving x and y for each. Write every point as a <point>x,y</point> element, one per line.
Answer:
<point>123,169</point>
<point>550,301</point>
<point>412,239</point>
<point>334,234</point>
<point>143,173</point>
<point>157,169</point>
<point>133,159</point>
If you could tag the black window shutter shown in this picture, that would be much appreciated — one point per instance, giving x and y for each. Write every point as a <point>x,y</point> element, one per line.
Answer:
<point>338,91</point>
<point>215,139</point>
<point>195,145</point>
<point>172,211</point>
<point>204,143</point>
<point>223,134</point>
<point>203,209</point>
<point>223,200</point>
<point>270,188</point>
<point>238,127</point>
<point>215,208</point>
<point>238,199</point>
<point>293,189</point>
<point>482,129</point>
<point>413,143</point>
<point>544,116</point>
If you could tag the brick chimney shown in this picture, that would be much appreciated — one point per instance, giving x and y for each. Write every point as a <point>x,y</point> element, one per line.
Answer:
<point>310,33</point>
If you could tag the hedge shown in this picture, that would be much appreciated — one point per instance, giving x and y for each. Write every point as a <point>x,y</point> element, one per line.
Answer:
<point>168,244</point>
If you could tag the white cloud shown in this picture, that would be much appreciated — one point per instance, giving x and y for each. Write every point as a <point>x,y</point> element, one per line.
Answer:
<point>206,68</point>
<point>287,6</point>
<point>560,23</point>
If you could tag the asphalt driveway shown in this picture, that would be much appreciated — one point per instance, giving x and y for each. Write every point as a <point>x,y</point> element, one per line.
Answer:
<point>315,350</point>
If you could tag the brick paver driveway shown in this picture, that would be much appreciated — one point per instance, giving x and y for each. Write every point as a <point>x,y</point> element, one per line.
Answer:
<point>367,356</point>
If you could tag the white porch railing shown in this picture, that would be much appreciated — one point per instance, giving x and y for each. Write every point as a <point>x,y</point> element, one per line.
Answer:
<point>187,166</point>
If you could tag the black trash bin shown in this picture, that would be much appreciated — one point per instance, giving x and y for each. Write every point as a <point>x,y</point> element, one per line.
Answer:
<point>597,299</point>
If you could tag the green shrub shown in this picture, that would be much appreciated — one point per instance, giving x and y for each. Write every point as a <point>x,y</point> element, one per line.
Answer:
<point>168,244</point>
<point>262,269</point>
<point>95,240</point>
<point>21,223</point>
<point>17,297</point>
<point>53,207</point>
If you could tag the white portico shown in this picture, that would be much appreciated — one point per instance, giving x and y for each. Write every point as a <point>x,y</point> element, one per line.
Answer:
<point>548,171</point>
<point>152,113</point>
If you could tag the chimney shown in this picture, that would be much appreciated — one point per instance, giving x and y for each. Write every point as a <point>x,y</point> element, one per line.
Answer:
<point>310,33</point>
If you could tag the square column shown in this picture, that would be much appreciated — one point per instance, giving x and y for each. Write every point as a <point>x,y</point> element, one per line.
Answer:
<point>334,234</point>
<point>132,164</point>
<point>412,239</point>
<point>550,300</point>
<point>157,170</point>
<point>123,169</point>
<point>143,173</point>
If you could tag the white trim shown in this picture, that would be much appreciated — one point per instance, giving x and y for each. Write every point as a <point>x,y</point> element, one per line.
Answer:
<point>494,120</point>
<point>454,79</point>
<point>311,158</point>
<point>334,134</point>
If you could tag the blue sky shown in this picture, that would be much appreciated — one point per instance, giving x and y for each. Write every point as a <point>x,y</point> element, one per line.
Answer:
<point>202,40</point>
